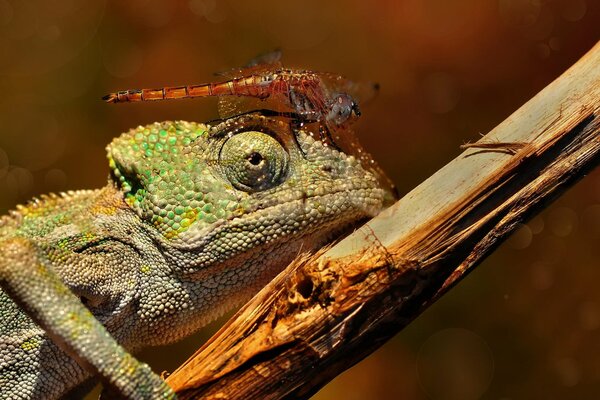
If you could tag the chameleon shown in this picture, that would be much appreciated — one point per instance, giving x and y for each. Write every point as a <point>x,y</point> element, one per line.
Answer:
<point>194,219</point>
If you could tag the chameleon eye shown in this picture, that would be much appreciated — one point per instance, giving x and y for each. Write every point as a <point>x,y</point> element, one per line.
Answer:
<point>253,161</point>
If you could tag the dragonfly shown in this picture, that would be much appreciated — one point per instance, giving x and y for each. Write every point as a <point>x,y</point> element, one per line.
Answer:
<point>304,96</point>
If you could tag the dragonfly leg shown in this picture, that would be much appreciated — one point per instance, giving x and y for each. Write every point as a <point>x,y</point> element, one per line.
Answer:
<point>326,137</point>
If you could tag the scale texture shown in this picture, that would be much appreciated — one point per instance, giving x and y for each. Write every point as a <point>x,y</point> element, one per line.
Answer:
<point>195,218</point>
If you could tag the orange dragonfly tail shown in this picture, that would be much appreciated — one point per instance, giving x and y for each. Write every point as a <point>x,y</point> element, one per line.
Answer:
<point>256,86</point>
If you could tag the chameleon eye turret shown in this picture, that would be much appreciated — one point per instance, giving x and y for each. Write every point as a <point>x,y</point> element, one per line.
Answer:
<point>253,161</point>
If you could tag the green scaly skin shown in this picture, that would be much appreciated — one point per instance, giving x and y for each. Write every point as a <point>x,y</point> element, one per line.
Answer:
<point>194,220</point>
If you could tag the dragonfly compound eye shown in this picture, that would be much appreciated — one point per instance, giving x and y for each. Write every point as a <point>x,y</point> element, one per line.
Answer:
<point>341,108</point>
<point>253,161</point>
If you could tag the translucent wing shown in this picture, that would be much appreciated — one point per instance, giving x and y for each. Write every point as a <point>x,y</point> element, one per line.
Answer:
<point>362,92</point>
<point>260,64</point>
<point>229,106</point>
<point>272,58</point>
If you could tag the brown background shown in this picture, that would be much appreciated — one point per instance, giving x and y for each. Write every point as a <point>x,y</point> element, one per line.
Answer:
<point>525,325</point>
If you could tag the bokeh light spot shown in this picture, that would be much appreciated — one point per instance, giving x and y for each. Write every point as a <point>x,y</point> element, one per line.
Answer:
<point>562,221</point>
<point>542,50</point>
<point>519,13</point>
<point>455,364</point>
<point>521,238</point>
<point>536,224</point>
<point>554,43</point>
<point>17,183</point>
<point>208,9</point>
<point>567,371</point>
<point>55,180</point>
<point>202,8</point>
<point>297,27</point>
<point>155,13</point>
<point>573,10</point>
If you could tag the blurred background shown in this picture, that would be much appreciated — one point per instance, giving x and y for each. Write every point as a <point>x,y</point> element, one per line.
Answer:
<point>525,324</point>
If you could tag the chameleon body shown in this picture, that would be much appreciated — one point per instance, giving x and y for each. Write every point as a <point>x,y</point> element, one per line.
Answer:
<point>195,218</point>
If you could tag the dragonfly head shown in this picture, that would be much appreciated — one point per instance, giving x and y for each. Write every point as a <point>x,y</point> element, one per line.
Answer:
<point>343,107</point>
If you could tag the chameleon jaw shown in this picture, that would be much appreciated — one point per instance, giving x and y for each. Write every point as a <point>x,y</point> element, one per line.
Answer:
<point>332,205</point>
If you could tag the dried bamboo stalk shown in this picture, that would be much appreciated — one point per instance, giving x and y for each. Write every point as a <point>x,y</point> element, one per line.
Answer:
<point>326,312</point>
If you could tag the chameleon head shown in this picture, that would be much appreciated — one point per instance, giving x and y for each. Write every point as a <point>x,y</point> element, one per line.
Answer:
<point>232,203</point>
<point>188,179</point>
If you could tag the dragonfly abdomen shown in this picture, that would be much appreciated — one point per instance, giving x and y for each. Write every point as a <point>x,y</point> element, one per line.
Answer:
<point>256,86</point>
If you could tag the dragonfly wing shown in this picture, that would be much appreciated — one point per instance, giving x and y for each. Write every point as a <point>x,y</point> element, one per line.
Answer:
<point>259,65</point>
<point>361,92</point>
<point>230,106</point>
<point>272,58</point>
<point>346,140</point>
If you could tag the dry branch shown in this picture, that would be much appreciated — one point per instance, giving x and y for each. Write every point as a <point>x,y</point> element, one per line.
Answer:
<point>327,312</point>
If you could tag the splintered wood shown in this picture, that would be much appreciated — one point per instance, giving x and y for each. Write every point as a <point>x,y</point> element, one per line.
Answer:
<point>326,312</point>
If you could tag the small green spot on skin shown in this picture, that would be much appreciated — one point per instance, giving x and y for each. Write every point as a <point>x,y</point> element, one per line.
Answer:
<point>220,213</point>
<point>145,269</point>
<point>30,344</point>
<point>197,133</point>
<point>163,133</point>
